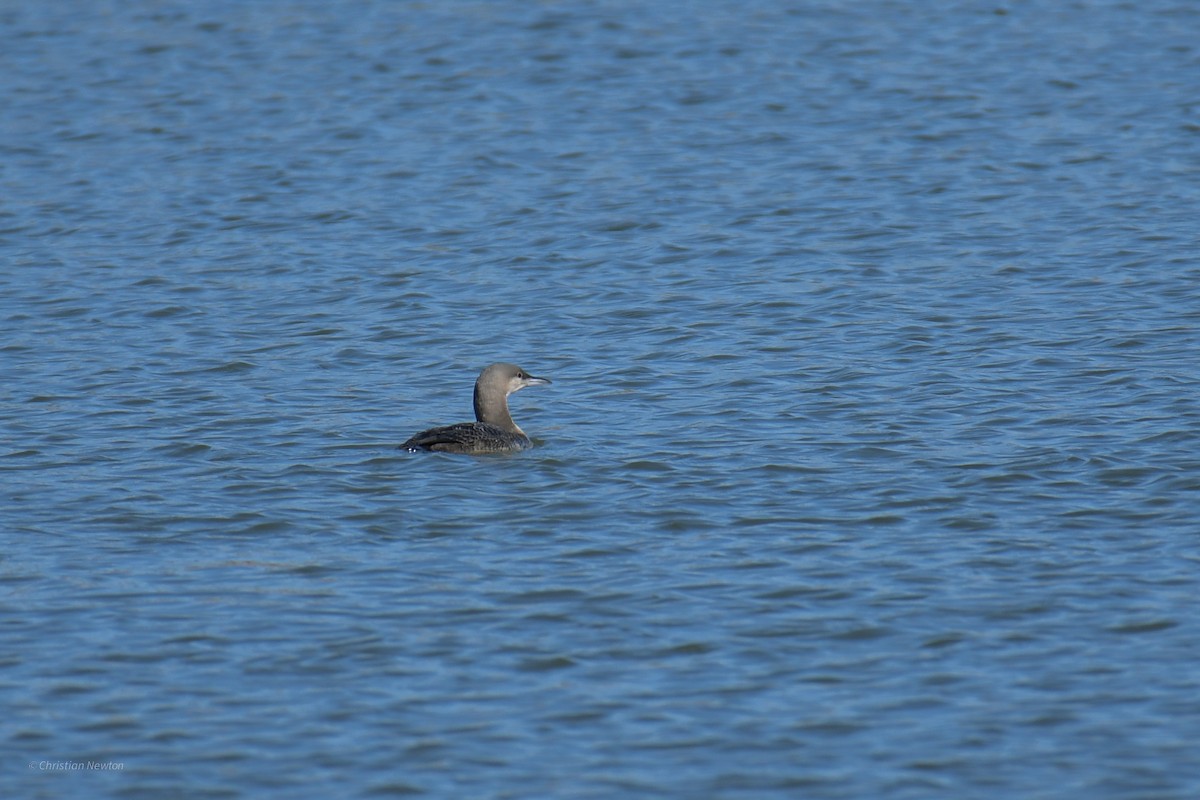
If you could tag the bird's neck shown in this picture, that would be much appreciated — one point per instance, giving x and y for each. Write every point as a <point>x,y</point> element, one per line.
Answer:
<point>491,407</point>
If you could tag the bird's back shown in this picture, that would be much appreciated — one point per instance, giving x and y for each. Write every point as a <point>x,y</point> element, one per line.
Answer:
<point>468,437</point>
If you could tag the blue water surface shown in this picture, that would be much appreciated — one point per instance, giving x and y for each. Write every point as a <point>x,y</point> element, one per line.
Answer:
<point>869,468</point>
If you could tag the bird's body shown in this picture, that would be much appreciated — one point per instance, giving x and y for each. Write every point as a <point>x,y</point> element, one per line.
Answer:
<point>468,437</point>
<point>493,430</point>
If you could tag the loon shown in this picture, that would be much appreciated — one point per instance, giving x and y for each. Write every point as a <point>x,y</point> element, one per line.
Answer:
<point>493,430</point>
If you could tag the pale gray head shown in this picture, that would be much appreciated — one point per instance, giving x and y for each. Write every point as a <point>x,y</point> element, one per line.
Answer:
<point>492,389</point>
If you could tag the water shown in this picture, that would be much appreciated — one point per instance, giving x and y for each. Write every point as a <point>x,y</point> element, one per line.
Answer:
<point>869,468</point>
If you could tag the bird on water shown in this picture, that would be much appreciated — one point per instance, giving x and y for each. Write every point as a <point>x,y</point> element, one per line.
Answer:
<point>493,430</point>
